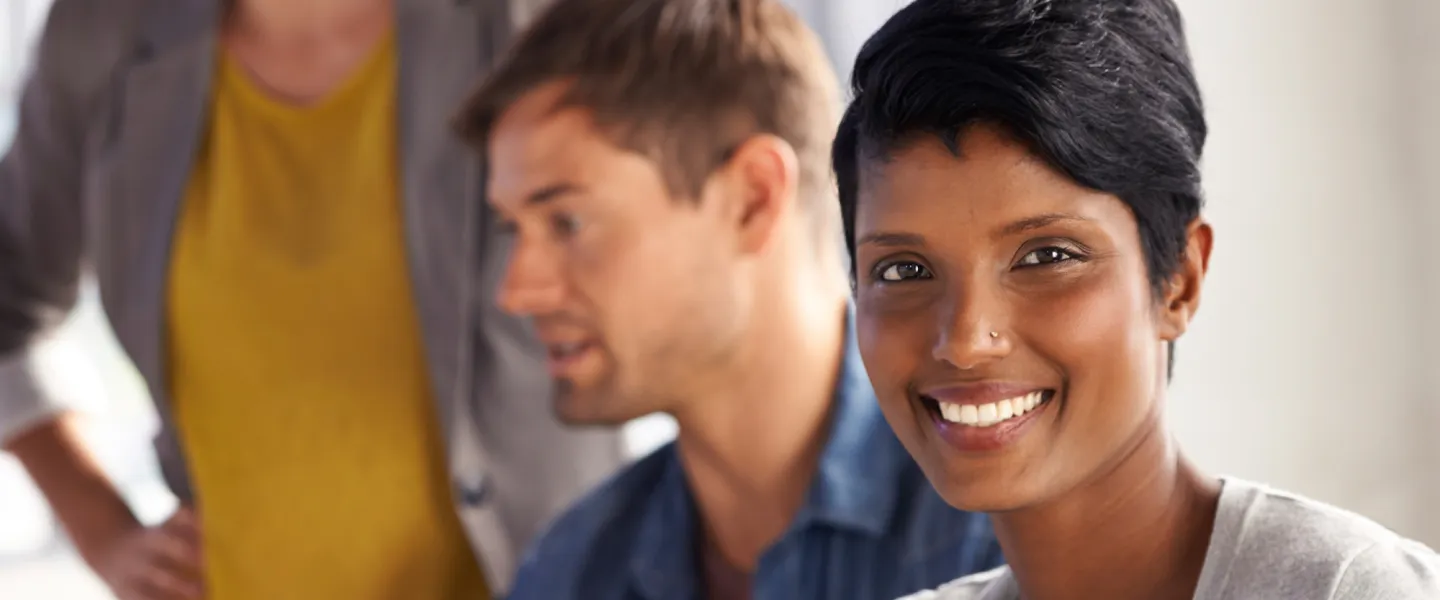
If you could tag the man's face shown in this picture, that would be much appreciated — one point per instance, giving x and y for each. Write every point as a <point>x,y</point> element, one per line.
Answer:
<point>629,287</point>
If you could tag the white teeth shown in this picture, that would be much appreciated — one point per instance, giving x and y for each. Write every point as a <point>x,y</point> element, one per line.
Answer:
<point>968,414</point>
<point>568,349</point>
<point>986,415</point>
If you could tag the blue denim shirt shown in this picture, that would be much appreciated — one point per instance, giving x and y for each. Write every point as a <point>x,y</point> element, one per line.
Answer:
<point>871,527</point>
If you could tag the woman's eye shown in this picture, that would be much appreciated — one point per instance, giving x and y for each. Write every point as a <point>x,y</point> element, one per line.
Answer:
<point>903,271</point>
<point>1046,256</point>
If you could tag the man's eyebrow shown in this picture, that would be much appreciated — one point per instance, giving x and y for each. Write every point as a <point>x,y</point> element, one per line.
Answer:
<point>551,192</point>
<point>890,238</point>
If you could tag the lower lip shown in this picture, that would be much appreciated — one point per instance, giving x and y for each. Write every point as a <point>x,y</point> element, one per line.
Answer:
<point>968,438</point>
<point>561,365</point>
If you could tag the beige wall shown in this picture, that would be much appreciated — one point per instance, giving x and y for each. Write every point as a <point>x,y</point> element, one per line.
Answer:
<point>1420,59</point>
<point>1305,367</point>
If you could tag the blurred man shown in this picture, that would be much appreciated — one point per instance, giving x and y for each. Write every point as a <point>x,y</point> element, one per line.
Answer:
<point>663,165</point>
<point>291,246</point>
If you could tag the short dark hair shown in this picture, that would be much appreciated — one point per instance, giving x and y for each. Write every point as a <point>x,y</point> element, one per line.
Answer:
<point>1102,91</point>
<point>684,82</point>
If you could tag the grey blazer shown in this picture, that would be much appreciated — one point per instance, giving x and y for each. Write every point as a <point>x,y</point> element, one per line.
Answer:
<point>109,120</point>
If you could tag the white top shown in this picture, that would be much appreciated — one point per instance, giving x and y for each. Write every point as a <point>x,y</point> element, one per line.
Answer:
<point>1272,545</point>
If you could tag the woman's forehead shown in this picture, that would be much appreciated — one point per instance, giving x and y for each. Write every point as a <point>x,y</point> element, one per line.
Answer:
<point>991,178</point>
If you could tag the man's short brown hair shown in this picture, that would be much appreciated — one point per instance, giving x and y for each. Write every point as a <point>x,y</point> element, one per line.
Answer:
<point>684,82</point>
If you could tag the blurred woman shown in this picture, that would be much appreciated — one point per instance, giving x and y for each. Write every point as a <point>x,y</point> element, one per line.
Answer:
<point>1022,195</point>
<point>291,247</point>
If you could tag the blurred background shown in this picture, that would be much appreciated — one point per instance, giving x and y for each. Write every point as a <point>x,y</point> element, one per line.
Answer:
<point>1314,363</point>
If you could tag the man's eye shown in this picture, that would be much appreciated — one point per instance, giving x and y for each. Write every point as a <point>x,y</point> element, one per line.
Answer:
<point>565,224</point>
<point>1046,256</point>
<point>903,271</point>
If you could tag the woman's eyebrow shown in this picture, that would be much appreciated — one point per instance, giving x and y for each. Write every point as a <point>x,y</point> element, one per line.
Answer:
<point>1037,222</point>
<point>890,238</point>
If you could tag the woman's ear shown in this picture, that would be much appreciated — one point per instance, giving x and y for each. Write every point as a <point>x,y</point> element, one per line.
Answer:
<point>1182,291</point>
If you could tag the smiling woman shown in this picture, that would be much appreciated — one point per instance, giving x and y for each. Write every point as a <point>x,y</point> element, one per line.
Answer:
<point>1053,270</point>
<point>1020,185</point>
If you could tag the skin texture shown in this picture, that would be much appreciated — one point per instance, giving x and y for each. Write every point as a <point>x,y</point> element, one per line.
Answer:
<point>711,309</point>
<point>1092,495</point>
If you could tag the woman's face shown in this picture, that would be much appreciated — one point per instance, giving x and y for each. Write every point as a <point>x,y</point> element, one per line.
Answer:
<point>1007,321</point>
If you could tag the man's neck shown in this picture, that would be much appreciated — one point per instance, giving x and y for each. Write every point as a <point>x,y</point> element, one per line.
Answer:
<point>750,449</point>
<point>1139,531</point>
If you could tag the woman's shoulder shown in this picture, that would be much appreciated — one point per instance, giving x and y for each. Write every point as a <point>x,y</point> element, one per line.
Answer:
<point>83,41</point>
<point>995,584</point>
<point>1258,513</point>
<point>1399,569</point>
<point>1263,535</point>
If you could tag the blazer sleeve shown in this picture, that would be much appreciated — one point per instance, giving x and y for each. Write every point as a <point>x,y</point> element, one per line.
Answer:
<point>41,184</point>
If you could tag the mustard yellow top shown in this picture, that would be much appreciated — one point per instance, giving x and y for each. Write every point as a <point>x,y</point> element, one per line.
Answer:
<point>296,363</point>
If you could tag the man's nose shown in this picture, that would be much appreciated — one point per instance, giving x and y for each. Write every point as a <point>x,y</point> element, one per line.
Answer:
<point>532,284</point>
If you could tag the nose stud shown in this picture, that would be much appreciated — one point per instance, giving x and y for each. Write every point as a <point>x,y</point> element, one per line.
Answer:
<point>994,334</point>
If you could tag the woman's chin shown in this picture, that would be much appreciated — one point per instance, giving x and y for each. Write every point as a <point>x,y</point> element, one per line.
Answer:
<point>975,493</point>
<point>985,501</point>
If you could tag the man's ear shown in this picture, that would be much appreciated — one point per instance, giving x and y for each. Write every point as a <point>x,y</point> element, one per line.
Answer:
<point>759,185</point>
<point>1182,291</point>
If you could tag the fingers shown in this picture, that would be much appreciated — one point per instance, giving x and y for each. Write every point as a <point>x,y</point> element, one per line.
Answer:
<point>158,583</point>
<point>181,540</point>
<point>164,584</point>
<point>177,552</point>
<point>183,522</point>
<point>170,561</point>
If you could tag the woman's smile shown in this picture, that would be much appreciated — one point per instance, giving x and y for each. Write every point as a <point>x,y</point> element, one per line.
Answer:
<point>984,417</point>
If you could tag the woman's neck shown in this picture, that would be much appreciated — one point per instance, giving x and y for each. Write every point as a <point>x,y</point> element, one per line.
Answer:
<point>1139,530</point>
<point>305,24</point>
<point>299,52</point>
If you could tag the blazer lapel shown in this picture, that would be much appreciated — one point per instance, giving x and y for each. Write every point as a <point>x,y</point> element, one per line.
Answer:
<point>163,100</point>
<point>158,122</point>
<point>441,46</point>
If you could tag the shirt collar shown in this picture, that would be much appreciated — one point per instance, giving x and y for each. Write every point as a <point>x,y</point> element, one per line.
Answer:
<point>862,463</point>
<point>855,487</point>
<point>664,563</point>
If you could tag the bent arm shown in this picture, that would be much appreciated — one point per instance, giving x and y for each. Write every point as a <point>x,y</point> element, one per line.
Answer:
<point>40,221</point>
<point>40,256</point>
<point>84,499</point>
